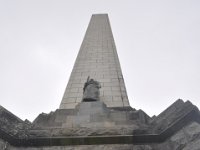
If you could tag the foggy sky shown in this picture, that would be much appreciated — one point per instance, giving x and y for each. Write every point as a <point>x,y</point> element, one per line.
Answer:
<point>158,43</point>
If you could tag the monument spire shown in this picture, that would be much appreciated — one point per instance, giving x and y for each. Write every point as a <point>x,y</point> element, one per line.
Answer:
<point>98,59</point>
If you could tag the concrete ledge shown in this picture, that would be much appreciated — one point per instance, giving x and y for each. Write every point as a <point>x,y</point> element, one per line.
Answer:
<point>192,116</point>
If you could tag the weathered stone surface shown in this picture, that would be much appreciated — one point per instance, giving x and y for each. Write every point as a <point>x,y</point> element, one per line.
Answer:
<point>98,59</point>
<point>102,121</point>
<point>3,144</point>
<point>11,124</point>
<point>171,115</point>
<point>6,146</point>
<point>94,118</point>
<point>187,138</point>
<point>91,119</point>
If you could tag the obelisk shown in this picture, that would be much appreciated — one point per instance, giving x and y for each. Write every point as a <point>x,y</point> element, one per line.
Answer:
<point>97,59</point>
<point>95,112</point>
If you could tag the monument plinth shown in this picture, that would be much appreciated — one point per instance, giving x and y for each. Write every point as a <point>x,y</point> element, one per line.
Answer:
<point>95,113</point>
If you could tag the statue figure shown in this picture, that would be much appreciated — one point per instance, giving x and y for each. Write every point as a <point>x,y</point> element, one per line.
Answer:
<point>91,90</point>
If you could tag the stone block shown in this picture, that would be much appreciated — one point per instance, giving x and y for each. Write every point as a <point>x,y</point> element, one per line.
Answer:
<point>79,120</point>
<point>69,123</point>
<point>70,99</point>
<point>87,108</point>
<point>106,88</point>
<point>126,103</point>
<point>76,85</point>
<point>116,94</point>
<point>107,98</point>
<point>117,98</point>
<point>78,99</point>
<point>74,90</point>
<point>116,88</point>
<point>68,105</point>
<point>107,93</point>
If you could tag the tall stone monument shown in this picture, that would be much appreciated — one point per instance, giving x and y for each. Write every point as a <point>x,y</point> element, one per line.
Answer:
<point>98,59</point>
<point>95,112</point>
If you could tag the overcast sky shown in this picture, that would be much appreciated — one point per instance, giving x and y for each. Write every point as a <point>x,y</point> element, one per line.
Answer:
<point>158,44</point>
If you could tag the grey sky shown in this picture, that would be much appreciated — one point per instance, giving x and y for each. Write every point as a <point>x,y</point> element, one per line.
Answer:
<point>158,44</point>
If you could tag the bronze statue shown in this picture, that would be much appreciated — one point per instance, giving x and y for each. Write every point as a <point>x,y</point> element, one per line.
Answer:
<point>91,90</point>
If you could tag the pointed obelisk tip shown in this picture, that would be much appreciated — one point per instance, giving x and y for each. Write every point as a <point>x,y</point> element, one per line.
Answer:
<point>100,14</point>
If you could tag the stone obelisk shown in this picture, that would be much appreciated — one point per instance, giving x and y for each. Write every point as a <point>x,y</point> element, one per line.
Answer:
<point>95,112</point>
<point>97,59</point>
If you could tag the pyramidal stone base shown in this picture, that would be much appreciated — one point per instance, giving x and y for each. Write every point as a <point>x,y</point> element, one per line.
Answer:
<point>93,125</point>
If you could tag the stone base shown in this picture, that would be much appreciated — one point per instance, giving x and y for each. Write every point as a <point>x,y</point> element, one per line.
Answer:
<point>187,138</point>
<point>92,125</point>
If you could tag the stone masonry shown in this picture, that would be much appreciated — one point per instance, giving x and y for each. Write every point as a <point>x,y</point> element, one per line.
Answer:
<point>98,59</point>
<point>104,122</point>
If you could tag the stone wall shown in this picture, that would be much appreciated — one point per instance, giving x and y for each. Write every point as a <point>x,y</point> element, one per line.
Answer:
<point>187,138</point>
